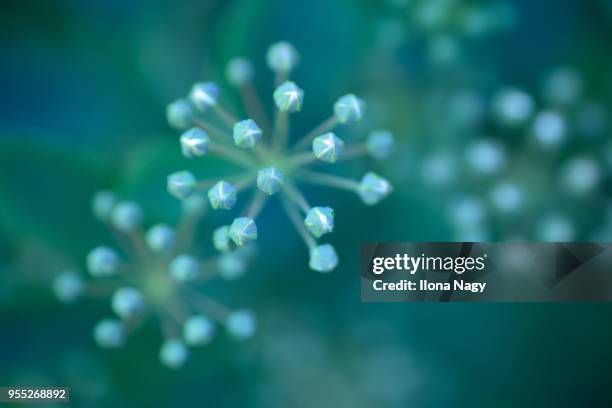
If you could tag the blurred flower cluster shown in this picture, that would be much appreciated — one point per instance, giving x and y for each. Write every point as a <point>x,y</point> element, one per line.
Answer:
<point>530,165</point>
<point>156,274</point>
<point>505,161</point>
<point>444,31</point>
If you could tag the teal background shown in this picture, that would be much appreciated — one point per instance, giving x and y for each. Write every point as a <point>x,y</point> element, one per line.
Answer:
<point>84,89</point>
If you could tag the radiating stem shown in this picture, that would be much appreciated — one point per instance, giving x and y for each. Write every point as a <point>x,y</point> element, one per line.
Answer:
<point>301,159</point>
<point>174,312</point>
<point>257,204</point>
<point>327,180</point>
<point>228,118</point>
<point>294,215</point>
<point>245,182</point>
<point>281,130</point>
<point>168,327</point>
<point>254,107</point>
<point>296,196</point>
<point>133,324</point>
<point>186,229</point>
<point>208,307</point>
<point>240,181</point>
<point>124,243</point>
<point>232,154</point>
<point>217,134</point>
<point>280,78</point>
<point>262,151</point>
<point>185,310</point>
<point>327,126</point>
<point>136,238</point>
<point>353,152</point>
<point>186,233</point>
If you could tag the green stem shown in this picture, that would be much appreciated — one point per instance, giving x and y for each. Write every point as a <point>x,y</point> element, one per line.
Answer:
<point>217,134</point>
<point>132,325</point>
<point>136,238</point>
<point>123,242</point>
<point>240,181</point>
<point>208,307</point>
<point>169,328</point>
<point>353,152</point>
<point>296,196</point>
<point>327,180</point>
<point>281,130</point>
<point>227,118</point>
<point>262,152</point>
<point>232,154</point>
<point>327,126</point>
<point>257,204</point>
<point>301,159</point>
<point>294,215</point>
<point>245,181</point>
<point>186,229</point>
<point>281,78</point>
<point>254,107</point>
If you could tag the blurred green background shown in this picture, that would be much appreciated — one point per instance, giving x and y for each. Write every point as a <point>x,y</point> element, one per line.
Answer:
<point>85,85</point>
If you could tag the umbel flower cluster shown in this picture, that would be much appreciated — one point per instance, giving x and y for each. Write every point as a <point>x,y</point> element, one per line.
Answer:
<point>536,166</point>
<point>446,30</point>
<point>272,166</point>
<point>156,274</point>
